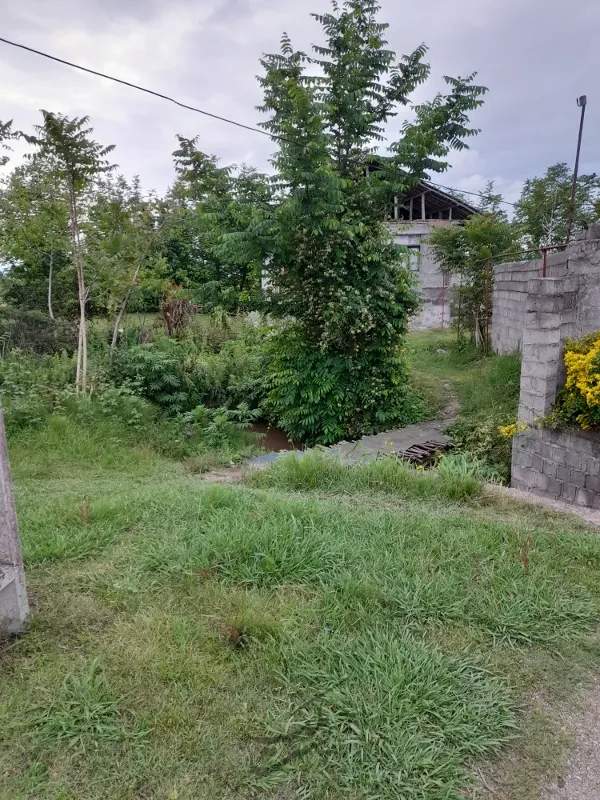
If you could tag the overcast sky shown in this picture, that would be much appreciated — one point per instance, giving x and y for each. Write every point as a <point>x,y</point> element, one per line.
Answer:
<point>536,57</point>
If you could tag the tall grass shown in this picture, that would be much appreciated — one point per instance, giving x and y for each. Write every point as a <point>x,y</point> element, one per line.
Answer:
<point>454,478</point>
<point>486,390</point>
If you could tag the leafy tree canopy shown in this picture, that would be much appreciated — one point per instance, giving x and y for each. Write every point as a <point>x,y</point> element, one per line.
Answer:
<point>337,369</point>
<point>543,208</point>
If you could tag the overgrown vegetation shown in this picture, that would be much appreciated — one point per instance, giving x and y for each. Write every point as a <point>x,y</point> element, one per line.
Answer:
<point>485,390</point>
<point>182,399</point>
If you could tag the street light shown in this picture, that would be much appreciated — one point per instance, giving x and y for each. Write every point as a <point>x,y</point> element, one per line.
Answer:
<point>582,103</point>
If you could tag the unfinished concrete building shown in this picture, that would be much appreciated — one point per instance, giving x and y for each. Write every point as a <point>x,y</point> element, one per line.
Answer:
<point>411,218</point>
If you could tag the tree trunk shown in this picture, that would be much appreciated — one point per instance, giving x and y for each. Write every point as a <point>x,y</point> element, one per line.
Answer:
<point>81,378</point>
<point>477,331</point>
<point>78,373</point>
<point>50,312</point>
<point>121,311</point>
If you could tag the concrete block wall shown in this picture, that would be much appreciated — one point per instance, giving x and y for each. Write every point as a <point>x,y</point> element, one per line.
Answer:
<point>560,464</point>
<point>550,318</point>
<point>436,294</point>
<point>511,290</point>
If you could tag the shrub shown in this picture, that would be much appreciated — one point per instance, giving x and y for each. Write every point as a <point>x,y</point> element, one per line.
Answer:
<point>479,438</point>
<point>579,402</point>
<point>180,375</point>
<point>34,331</point>
<point>157,369</point>
<point>32,387</point>
<point>321,397</point>
<point>217,427</point>
<point>119,403</point>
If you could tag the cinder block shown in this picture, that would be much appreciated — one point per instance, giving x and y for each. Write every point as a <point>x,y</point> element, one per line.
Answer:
<point>568,492</point>
<point>563,474</point>
<point>592,466</point>
<point>573,459</point>
<point>538,464</point>
<point>550,468</point>
<point>578,478</point>
<point>525,477</point>
<point>584,498</point>
<point>554,321</point>
<point>533,335</point>
<point>592,482</point>
<point>527,459</point>
<point>547,451</point>
<point>554,487</point>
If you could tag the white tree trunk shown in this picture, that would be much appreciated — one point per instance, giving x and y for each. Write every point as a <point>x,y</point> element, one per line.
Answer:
<point>50,312</point>
<point>121,311</point>
<point>81,378</point>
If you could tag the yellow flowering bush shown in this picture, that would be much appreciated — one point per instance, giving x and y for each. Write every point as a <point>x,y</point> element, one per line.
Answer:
<point>579,401</point>
<point>508,431</point>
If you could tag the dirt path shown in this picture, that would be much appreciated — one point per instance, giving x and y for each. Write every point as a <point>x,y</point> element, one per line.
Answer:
<point>580,779</point>
<point>586,514</point>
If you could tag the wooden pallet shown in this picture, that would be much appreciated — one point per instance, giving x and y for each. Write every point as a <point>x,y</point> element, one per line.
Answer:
<point>423,453</point>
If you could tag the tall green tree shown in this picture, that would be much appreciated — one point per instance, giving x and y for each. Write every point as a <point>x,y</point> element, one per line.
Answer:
<point>467,252</point>
<point>543,208</point>
<point>491,201</point>
<point>34,237</point>
<point>78,161</point>
<point>121,232</point>
<point>212,225</point>
<point>338,280</point>
<point>7,134</point>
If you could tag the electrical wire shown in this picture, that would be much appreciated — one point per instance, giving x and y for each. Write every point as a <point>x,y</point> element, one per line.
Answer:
<point>147,91</point>
<point>464,191</point>
<point>194,108</point>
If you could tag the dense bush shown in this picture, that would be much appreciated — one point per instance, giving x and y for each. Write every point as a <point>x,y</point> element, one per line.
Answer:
<point>322,397</point>
<point>179,375</point>
<point>37,392</point>
<point>479,437</point>
<point>35,331</point>
<point>32,387</point>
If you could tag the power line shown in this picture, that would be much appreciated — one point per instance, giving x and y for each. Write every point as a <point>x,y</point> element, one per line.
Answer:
<point>194,108</point>
<point>147,91</point>
<point>464,191</point>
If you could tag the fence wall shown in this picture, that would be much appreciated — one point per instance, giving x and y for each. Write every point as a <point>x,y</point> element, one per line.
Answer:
<point>511,289</point>
<point>566,303</point>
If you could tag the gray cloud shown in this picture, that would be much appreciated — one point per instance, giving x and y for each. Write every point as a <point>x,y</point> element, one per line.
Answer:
<point>535,57</point>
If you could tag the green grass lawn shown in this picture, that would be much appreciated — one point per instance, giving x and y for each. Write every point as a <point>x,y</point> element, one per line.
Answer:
<point>317,632</point>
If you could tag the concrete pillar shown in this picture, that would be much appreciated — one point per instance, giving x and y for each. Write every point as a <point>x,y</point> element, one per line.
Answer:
<point>550,317</point>
<point>14,609</point>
